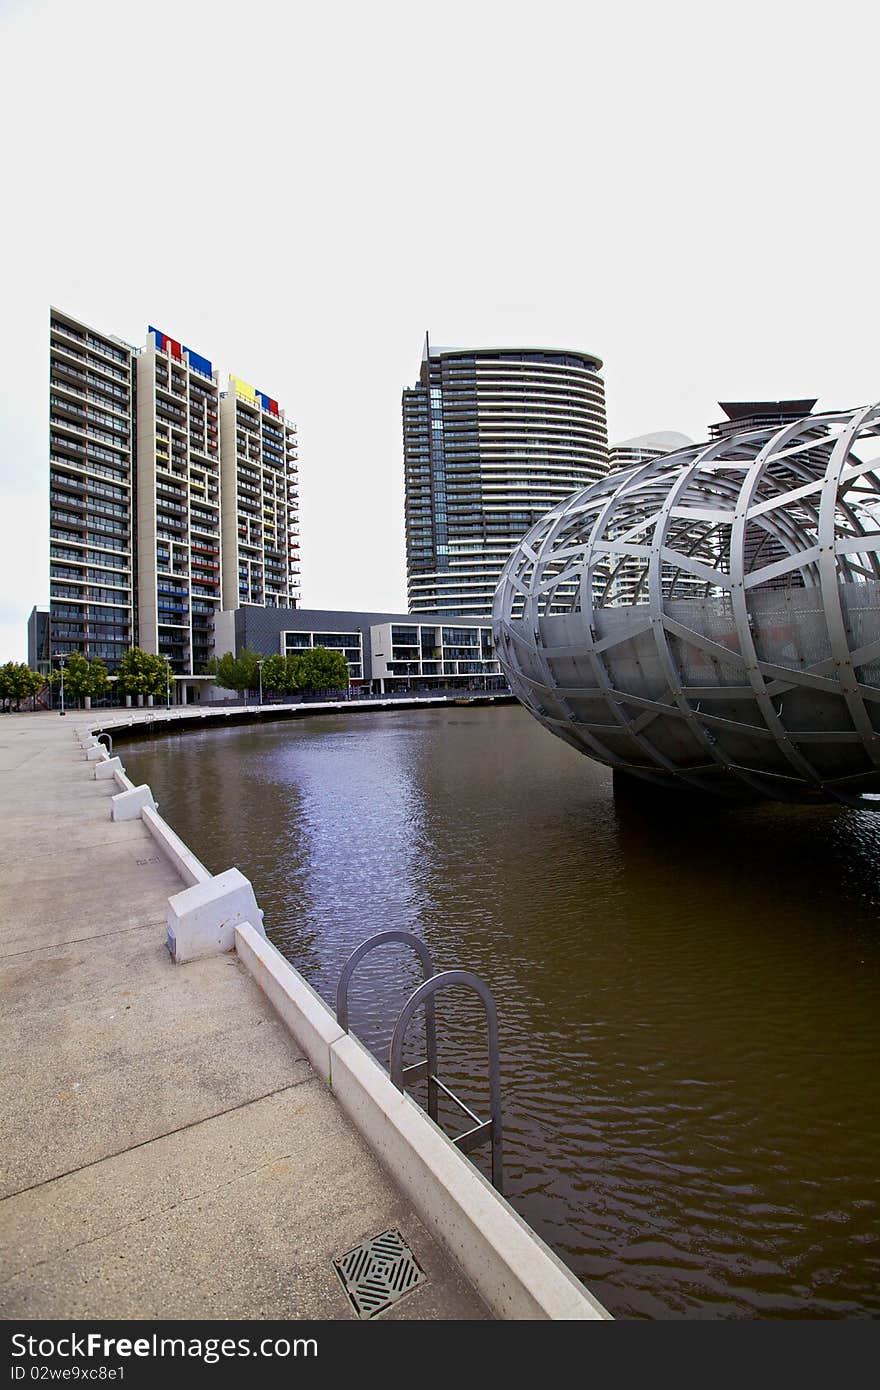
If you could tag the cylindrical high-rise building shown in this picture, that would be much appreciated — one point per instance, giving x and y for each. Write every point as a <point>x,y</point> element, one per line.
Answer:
<point>492,438</point>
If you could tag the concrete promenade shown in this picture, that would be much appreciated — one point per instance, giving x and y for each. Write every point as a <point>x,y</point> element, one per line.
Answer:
<point>167,1150</point>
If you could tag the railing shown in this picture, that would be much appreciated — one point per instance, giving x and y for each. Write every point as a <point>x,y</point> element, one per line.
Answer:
<point>482,1131</point>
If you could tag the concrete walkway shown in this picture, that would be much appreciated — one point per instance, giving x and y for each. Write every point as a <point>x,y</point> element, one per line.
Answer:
<point>167,1150</point>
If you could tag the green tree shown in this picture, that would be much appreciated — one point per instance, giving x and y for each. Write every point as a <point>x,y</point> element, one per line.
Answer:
<point>141,673</point>
<point>322,669</point>
<point>239,673</point>
<point>77,676</point>
<point>18,682</point>
<point>99,681</point>
<point>275,675</point>
<point>291,673</point>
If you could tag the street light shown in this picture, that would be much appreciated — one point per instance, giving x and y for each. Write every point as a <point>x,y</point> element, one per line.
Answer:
<point>167,682</point>
<point>260,670</point>
<point>61,661</point>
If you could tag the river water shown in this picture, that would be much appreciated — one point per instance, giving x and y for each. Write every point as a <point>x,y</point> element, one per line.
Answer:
<point>688,998</point>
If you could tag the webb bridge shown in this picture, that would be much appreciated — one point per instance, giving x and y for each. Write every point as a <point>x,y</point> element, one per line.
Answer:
<point>711,619</point>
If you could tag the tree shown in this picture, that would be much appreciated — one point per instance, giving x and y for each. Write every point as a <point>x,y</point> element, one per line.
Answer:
<point>141,673</point>
<point>291,676</point>
<point>77,676</point>
<point>99,681</point>
<point>322,669</point>
<point>239,673</point>
<point>277,675</point>
<point>18,682</point>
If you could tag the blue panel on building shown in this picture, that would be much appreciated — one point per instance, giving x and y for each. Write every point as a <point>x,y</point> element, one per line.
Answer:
<point>200,363</point>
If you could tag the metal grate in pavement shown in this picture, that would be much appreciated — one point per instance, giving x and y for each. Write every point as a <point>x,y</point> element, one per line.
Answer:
<point>378,1272</point>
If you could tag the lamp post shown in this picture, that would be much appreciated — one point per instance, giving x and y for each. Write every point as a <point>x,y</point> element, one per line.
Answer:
<point>61,661</point>
<point>167,682</point>
<point>260,670</point>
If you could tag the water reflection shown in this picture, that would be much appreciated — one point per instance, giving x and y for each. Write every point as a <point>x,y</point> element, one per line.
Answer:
<point>688,999</point>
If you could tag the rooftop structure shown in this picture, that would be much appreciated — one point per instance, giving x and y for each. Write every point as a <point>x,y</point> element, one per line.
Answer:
<point>749,415</point>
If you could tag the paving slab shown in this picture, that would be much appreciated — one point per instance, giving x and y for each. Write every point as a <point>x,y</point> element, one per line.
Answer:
<point>230,1192</point>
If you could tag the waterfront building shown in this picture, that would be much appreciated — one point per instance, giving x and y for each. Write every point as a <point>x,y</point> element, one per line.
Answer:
<point>38,639</point>
<point>260,539</point>
<point>644,447</point>
<point>758,415</point>
<point>169,499</point>
<point>178,497</point>
<point>385,652</point>
<point>91,562</point>
<point>621,581</point>
<point>492,439</point>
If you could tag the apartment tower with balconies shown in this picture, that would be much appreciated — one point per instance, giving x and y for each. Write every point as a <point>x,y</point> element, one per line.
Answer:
<point>91,460</point>
<point>169,499</point>
<point>492,439</point>
<point>260,500</point>
<point>178,503</point>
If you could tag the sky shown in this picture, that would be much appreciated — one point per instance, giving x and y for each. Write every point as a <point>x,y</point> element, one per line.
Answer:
<point>299,190</point>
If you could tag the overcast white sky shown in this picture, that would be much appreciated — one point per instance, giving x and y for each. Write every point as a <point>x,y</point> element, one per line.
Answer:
<point>299,190</point>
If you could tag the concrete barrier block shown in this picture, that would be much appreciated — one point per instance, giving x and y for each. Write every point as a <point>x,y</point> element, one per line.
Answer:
<point>96,752</point>
<point>128,805</point>
<point>202,919</point>
<point>107,768</point>
<point>307,1016</point>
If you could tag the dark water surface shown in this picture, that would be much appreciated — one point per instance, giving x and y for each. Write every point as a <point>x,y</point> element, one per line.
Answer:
<point>688,999</point>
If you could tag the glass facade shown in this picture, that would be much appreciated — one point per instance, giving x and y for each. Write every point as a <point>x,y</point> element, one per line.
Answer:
<point>349,643</point>
<point>492,438</point>
<point>429,653</point>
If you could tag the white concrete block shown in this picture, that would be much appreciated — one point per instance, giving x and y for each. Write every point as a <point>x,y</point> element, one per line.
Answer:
<point>96,752</point>
<point>516,1273</point>
<point>202,919</point>
<point>128,805</point>
<point>310,1021</point>
<point>107,768</point>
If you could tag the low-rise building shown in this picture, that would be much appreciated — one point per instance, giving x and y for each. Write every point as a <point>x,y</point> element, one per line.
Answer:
<point>385,652</point>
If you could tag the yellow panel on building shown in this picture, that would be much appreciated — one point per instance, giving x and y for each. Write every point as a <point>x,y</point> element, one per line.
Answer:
<point>241,388</point>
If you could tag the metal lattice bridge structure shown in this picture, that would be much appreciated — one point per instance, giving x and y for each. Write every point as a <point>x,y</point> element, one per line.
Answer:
<point>711,618</point>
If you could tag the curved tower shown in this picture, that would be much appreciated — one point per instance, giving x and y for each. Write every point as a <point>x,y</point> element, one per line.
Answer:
<point>492,438</point>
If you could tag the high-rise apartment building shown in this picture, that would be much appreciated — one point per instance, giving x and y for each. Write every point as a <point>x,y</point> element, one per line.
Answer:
<point>492,437</point>
<point>178,502</point>
<point>91,441</point>
<point>167,503</point>
<point>260,536</point>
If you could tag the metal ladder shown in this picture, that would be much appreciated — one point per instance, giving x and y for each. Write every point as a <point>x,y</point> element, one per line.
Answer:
<point>483,1131</point>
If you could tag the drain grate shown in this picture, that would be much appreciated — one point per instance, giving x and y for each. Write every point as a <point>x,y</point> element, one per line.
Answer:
<point>378,1273</point>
